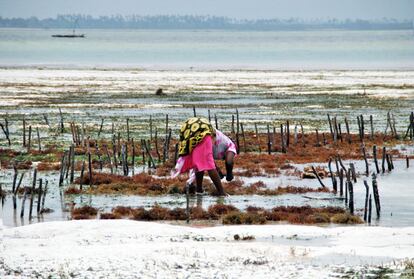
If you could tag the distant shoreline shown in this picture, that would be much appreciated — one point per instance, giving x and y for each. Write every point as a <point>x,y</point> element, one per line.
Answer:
<point>205,68</point>
<point>203,22</point>
<point>81,30</point>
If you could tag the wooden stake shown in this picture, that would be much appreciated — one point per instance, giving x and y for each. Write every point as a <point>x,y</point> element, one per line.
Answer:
<point>81,175</point>
<point>109,158</point>
<point>23,203</point>
<point>133,156</point>
<point>156,147</point>
<point>62,168</point>
<point>44,196</point>
<point>341,183</point>
<point>244,138</point>
<point>287,133</point>
<point>295,135</point>
<point>101,127</point>
<point>269,142</point>
<point>282,140</point>
<point>318,177</point>
<point>32,193</point>
<point>232,124</point>
<point>166,125</point>
<point>39,195</point>
<point>62,127</point>
<point>374,154</point>
<point>24,132</point>
<point>30,139</point>
<point>369,209</point>
<point>366,200</point>
<point>365,159</point>
<point>334,185</point>
<point>376,194</point>
<point>72,164</point>
<point>90,169</point>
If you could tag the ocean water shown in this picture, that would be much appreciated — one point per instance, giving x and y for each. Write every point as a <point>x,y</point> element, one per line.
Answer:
<point>329,49</point>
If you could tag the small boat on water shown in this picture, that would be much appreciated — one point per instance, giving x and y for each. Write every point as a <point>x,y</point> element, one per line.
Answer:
<point>69,36</point>
<point>73,35</point>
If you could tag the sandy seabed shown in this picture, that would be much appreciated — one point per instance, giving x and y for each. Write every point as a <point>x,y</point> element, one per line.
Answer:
<point>131,249</point>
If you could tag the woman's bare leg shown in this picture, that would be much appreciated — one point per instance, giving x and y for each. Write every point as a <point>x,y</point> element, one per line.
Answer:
<point>199,181</point>
<point>217,182</point>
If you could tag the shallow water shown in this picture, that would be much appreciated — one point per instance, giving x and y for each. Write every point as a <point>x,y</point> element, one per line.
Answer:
<point>326,49</point>
<point>396,193</point>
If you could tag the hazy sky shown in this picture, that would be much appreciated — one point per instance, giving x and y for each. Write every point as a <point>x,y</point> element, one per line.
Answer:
<point>308,9</point>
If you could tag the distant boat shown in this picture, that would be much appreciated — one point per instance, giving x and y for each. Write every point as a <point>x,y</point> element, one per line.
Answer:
<point>69,36</point>
<point>73,35</point>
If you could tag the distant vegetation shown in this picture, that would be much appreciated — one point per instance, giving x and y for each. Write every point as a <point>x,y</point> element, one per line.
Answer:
<point>200,22</point>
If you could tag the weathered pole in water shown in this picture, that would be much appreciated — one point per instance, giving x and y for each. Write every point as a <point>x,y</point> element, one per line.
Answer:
<point>318,177</point>
<point>62,168</point>
<point>24,132</point>
<point>376,194</point>
<point>62,127</point>
<point>365,159</point>
<point>30,139</point>
<point>341,183</point>
<point>156,146</point>
<point>384,155</point>
<point>366,200</point>
<point>244,137</point>
<point>303,135</point>
<point>369,209</point>
<point>90,169</point>
<point>81,175</point>
<point>282,140</point>
<point>257,137</point>
<point>389,164</point>
<point>23,203</point>
<point>269,142</point>
<point>72,164</point>
<point>351,194</point>
<point>32,193</point>
<point>287,133</point>
<point>39,195</point>
<point>334,183</point>
<point>127,124</point>
<point>44,196</point>
<point>374,154</point>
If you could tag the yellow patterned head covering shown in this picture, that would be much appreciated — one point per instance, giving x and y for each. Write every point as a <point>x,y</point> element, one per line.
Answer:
<point>192,132</point>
